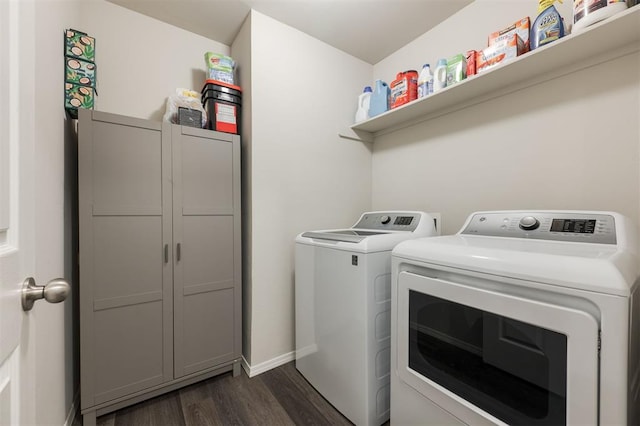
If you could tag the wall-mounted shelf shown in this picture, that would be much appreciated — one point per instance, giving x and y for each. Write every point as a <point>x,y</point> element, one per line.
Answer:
<point>606,40</point>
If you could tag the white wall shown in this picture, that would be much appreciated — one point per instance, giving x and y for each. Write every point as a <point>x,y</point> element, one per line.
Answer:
<point>568,143</point>
<point>141,61</point>
<point>303,176</point>
<point>56,362</point>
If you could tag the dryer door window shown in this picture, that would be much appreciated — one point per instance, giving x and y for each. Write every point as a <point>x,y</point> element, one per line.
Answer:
<point>513,370</point>
<point>486,355</point>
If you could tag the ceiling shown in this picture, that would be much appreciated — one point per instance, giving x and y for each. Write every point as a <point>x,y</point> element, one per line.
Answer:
<point>367,29</point>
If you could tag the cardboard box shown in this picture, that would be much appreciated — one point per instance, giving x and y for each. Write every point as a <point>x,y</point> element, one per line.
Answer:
<point>521,28</point>
<point>79,45</point>
<point>189,117</point>
<point>501,51</point>
<point>471,62</point>
<point>80,72</point>
<point>456,69</point>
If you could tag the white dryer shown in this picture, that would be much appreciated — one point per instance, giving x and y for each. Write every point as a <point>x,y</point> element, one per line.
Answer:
<point>342,309</point>
<point>521,318</point>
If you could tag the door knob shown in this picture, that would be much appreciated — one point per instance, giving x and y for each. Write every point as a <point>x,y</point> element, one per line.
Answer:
<point>55,291</point>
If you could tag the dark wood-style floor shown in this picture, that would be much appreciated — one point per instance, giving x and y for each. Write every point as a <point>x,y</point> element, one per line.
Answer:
<point>278,397</point>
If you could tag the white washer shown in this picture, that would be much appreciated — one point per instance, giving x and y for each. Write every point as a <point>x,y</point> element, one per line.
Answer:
<point>522,317</point>
<point>343,302</point>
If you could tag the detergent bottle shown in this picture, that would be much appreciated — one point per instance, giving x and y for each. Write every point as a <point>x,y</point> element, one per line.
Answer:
<point>425,82</point>
<point>364,101</point>
<point>440,77</point>
<point>379,98</point>
<point>548,26</point>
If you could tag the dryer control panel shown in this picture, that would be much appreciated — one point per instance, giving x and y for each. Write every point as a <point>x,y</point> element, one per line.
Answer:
<point>557,226</point>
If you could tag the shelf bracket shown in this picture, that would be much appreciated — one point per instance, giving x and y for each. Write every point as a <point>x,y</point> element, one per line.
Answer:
<point>356,135</point>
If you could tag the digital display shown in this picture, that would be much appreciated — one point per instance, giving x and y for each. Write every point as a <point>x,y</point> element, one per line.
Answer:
<point>576,226</point>
<point>403,220</point>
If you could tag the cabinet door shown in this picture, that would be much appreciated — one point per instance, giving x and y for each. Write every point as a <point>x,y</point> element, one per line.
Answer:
<point>125,280</point>
<point>206,230</point>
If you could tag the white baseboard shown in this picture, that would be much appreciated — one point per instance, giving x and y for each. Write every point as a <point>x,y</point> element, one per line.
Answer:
<point>73,410</point>
<point>254,370</point>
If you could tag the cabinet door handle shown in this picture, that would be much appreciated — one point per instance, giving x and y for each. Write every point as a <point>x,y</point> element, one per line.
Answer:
<point>178,252</point>
<point>166,253</point>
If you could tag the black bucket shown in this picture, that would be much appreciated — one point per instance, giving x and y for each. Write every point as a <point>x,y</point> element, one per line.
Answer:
<point>223,102</point>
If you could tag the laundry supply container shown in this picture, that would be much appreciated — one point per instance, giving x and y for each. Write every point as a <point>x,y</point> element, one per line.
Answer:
<point>222,101</point>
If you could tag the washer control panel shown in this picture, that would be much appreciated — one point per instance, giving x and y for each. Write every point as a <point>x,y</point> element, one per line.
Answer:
<point>389,221</point>
<point>557,226</point>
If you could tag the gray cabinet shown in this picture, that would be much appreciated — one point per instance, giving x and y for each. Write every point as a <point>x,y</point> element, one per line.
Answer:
<point>160,258</point>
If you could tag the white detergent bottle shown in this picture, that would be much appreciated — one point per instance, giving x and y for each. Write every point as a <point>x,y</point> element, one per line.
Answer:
<point>364,101</point>
<point>440,76</point>
<point>425,82</point>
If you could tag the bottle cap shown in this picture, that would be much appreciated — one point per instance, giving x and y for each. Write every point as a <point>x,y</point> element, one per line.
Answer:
<point>442,62</point>
<point>367,89</point>
<point>425,65</point>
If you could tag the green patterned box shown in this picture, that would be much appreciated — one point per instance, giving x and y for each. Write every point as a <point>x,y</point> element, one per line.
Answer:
<point>80,72</point>
<point>77,96</point>
<point>79,45</point>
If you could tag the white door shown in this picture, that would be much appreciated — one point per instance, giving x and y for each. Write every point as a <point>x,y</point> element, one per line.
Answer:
<point>17,35</point>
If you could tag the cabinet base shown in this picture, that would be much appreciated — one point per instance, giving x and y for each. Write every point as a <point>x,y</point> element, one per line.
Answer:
<point>90,414</point>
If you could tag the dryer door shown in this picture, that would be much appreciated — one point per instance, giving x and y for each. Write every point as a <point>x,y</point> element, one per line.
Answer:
<point>493,358</point>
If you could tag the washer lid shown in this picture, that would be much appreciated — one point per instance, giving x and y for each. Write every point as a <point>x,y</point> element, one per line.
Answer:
<point>362,241</point>
<point>373,232</point>
<point>346,235</point>
<point>603,268</point>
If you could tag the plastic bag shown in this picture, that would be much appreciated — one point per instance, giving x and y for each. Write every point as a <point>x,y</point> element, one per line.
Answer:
<point>220,67</point>
<point>184,98</point>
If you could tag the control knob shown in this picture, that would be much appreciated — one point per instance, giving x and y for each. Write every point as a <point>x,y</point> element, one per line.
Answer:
<point>529,223</point>
<point>385,219</point>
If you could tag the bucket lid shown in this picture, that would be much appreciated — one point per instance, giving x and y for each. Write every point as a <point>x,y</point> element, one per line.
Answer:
<point>221,83</point>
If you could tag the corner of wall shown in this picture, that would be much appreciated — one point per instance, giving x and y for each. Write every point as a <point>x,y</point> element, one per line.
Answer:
<point>241,52</point>
<point>302,91</point>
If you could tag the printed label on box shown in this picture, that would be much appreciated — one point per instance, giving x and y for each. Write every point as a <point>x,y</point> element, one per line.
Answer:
<point>501,51</point>
<point>521,28</point>
<point>226,118</point>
